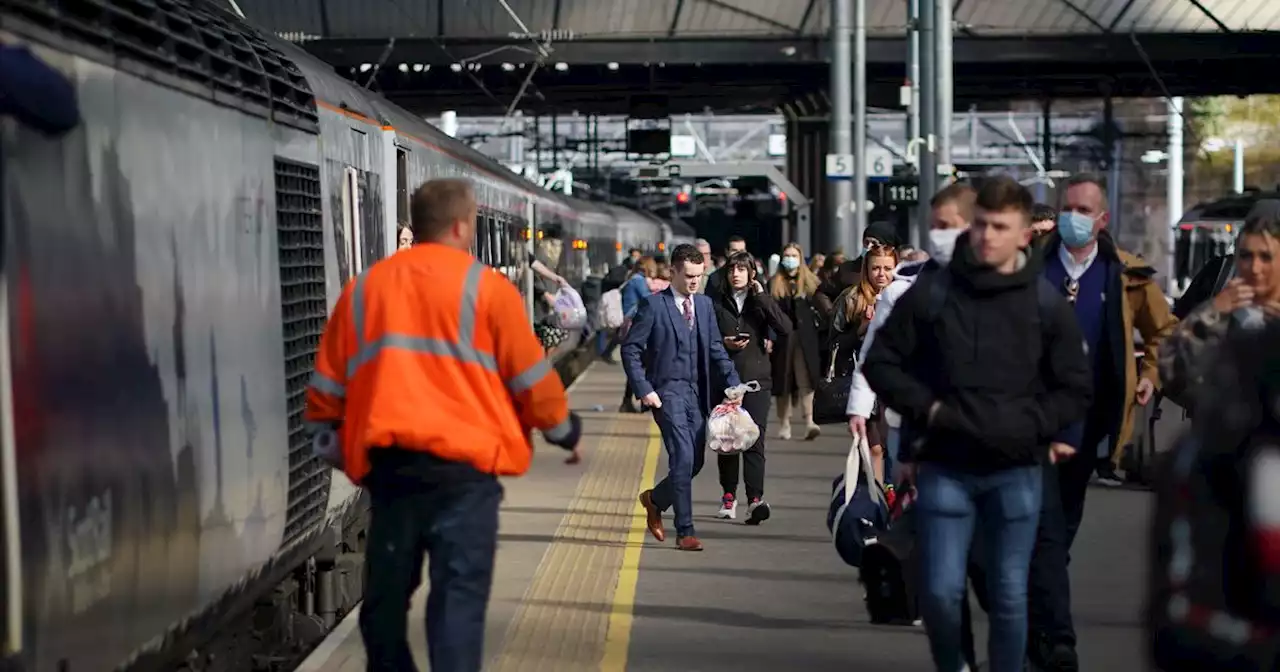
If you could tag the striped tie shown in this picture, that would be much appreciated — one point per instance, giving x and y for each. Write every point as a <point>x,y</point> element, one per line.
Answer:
<point>688,311</point>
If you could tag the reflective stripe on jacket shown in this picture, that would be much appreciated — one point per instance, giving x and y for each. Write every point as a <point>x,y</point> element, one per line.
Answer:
<point>431,350</point>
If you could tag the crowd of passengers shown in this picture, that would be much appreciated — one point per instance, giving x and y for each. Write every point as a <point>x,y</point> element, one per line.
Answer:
<point>1000,388</point>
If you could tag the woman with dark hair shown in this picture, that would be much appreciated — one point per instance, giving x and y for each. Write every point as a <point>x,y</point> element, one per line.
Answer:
<point>746,313</point>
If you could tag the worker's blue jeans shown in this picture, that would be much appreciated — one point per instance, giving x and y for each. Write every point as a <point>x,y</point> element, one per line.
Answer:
<point>456,524</point>
<point>1006,504</point>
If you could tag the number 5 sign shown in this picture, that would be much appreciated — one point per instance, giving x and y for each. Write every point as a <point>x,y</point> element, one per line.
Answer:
<point>879,165</point>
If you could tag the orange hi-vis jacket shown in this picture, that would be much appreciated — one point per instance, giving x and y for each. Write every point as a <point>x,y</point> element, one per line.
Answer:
<point>431,350</point>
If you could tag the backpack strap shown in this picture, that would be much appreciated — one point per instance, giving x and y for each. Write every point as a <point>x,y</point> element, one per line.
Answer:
<point>939,288</point>
<point>1046,297</point>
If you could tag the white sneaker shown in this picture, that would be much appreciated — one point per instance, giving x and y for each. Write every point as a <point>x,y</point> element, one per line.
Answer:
<point>785,432</point>
<point>728,508</point>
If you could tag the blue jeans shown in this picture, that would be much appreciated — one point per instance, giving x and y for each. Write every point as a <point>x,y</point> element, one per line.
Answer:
<point>456,524</point>
<point>951,503</point>
<point>892,440</point>
<point>684,434</point>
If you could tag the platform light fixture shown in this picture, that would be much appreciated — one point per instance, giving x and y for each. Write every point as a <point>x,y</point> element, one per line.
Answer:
<point>456,67</point>
<point>507,67</point>
<point>418,67</point>
<point>613,66</point>
<point>404,67</point>
<point>562,66</point>
<point>366,67</point>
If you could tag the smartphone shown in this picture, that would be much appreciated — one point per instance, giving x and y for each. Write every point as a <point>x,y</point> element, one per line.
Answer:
<point>742,337</point>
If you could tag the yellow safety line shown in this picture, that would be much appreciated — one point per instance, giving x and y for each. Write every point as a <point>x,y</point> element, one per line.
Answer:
<point>617,643</point>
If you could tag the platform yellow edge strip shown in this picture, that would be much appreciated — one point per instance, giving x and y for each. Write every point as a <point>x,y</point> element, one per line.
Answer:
<point>617,645</point>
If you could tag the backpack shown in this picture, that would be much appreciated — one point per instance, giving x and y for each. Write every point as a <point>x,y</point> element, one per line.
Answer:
<point>610,314</point>
<point>615,278</point>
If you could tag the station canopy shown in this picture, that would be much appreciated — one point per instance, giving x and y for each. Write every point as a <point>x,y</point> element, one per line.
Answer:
<point>570,20</point>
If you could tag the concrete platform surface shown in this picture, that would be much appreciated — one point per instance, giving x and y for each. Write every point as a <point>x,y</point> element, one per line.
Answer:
<point>581,586</point>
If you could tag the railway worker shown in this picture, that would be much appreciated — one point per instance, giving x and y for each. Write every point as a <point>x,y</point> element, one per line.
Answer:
<point>432,377</point>
<point>1112,293</point>
<point>672,353</point>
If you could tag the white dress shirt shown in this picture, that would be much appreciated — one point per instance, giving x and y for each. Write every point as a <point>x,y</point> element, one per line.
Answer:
<point>1074,268</point>
<point>680,302</point>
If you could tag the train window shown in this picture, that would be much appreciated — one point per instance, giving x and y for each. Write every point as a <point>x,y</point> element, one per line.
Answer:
<point>351,219</point>
<point>402,185</point>
<point>360,149</point>
<point>1182,256</point>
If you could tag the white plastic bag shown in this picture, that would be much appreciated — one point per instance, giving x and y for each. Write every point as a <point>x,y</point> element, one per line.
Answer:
<point>570,313</point>
<point>730,429</point>
<point>611,316</point>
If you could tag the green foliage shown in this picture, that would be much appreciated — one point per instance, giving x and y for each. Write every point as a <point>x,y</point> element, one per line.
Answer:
<point>1206,117</point>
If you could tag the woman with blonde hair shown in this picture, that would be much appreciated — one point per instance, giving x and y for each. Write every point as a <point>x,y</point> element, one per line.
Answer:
<point>855,308</point>
<point>795,359</point>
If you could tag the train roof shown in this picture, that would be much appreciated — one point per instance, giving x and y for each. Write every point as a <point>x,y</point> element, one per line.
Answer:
<point>1233,208</point>
<point>335,90</point>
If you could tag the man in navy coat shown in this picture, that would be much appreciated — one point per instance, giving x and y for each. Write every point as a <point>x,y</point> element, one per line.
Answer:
<point>668,354</point>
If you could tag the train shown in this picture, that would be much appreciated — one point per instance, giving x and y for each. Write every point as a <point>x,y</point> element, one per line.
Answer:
<point>168,269</point>
<point>1208,230</point>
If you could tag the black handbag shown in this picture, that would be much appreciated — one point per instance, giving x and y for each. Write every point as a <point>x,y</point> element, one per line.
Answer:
<point>831,393</point>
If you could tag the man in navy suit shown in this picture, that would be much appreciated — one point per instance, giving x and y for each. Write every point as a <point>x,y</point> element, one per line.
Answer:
<point>668,354</point>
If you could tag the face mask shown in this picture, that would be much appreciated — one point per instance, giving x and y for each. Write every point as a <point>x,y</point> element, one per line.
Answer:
<point>790,263</point>
<point>1075,228</point>
<point>942,243</point>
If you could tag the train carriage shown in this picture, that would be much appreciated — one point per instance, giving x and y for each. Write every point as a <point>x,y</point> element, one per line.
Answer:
<point>168,268</point>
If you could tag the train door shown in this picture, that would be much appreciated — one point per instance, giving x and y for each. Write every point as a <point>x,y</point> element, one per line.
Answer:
<point>351,225</point>
<point>402,186</point>
<point>11,599</point>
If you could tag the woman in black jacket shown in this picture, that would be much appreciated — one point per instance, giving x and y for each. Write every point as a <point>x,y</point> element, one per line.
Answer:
<point>746,313</point>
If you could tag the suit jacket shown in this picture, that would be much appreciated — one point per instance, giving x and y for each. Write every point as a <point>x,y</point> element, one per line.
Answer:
<point>652,343</point>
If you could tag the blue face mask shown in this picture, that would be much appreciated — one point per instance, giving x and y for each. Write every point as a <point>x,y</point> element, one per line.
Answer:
<point>790,263</point>
<point>1076,229</point>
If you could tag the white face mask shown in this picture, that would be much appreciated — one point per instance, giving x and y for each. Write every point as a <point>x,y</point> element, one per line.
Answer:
<point>942,244</point>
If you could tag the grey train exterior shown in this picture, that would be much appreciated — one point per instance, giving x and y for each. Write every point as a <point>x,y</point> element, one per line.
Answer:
<point>168,268</point>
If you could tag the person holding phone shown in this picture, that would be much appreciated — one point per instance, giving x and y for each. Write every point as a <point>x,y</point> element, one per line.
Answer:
<point>746,313</point>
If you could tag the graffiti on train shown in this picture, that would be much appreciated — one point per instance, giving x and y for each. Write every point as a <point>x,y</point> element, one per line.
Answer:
<point>147,341</point>
<point>89,541</point>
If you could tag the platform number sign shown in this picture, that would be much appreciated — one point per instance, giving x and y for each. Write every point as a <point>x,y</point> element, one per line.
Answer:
<point>878,163</point>
<point>839,166</point>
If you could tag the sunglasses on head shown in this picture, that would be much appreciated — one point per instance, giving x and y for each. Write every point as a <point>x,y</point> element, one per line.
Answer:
<point>1072,288</point>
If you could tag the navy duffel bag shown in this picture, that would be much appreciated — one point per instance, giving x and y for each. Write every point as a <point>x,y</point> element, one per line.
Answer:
<point>858,512</point>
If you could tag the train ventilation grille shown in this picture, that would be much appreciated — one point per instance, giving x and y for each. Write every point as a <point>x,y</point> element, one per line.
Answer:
<point>186,40</point>
<point>303,310</point>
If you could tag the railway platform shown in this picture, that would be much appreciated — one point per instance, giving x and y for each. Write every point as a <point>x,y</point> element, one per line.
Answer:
<point>581,586</point>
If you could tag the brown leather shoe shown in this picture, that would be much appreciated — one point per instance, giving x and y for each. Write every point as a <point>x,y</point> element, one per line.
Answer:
<point>688,544</point>
<point>654,516</point>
